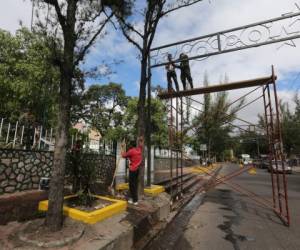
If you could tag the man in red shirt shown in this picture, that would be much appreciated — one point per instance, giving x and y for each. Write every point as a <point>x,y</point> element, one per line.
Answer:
<point>135,156</point>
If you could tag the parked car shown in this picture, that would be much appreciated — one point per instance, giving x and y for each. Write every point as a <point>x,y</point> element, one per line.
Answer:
<point>287,168</point>
<point>265,164</point>
<point>245,159</point>
<point>262,161</point>
<point>258,163</point>
<point>293,162</point>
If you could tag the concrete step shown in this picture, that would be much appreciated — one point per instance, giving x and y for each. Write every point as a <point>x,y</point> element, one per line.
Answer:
<point>164,182</point>
<point>172,185</point>
<point>186,186</point>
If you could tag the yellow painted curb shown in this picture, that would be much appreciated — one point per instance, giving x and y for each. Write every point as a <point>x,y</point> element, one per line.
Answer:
<point>122,186</point>
<point>252,171</point>
<point>154,190</point>
<point>202,170</point>
<point>117,207</point>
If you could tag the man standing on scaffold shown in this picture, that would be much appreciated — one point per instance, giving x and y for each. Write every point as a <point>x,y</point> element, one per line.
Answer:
<point>185,71</point>
<point>171,74</point>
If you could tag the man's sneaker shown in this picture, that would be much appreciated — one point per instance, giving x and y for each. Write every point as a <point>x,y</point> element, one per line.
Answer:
<point>135,203</point>
<point>130,201</point>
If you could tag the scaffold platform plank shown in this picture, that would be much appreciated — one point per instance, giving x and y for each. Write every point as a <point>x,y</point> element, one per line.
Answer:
<point>217,88</point>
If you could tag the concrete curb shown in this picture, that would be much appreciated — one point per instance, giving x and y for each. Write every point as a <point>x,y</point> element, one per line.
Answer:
<point>158,229</point>
<point>122,231</point>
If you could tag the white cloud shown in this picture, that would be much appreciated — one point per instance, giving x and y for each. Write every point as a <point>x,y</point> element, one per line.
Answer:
<point>205,18</point>
<point>14,11</point>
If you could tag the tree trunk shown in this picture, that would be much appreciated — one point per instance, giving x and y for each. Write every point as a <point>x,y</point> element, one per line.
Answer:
<point>54,219</point>
<point>141,118</point>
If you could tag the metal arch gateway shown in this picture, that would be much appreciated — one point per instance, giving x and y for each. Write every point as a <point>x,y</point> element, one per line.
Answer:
<point>283,29</point>
<point>219,43</point>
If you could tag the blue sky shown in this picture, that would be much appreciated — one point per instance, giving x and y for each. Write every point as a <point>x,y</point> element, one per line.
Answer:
<point>203,18</point>
<point>187,23</point>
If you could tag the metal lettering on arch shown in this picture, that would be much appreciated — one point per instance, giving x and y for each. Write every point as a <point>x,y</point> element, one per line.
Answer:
<point>276,30</point>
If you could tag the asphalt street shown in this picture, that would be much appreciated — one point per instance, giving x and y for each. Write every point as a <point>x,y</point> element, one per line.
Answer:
<point>225,219</point>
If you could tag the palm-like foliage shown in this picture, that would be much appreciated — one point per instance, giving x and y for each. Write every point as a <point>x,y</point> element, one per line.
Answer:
<point>213,125</point>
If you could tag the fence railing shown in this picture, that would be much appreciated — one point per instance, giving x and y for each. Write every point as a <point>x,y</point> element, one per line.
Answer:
<point>32,137</point>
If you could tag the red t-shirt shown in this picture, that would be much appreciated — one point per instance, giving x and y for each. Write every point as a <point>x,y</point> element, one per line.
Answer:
<point>135,158</point>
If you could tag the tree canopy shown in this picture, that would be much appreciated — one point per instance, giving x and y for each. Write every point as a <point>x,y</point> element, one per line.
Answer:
<point>29,80</point>
<point>103,108</point>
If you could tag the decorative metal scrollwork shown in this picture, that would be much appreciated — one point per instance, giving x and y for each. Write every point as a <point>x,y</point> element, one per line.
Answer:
<point>278,30</point>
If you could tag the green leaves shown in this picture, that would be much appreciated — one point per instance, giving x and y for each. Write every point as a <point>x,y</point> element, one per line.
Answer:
<point>104,107</point>
<point>159,123</point>
<point>291,127</point>
<point>28,80</point>
<point>213,124</point>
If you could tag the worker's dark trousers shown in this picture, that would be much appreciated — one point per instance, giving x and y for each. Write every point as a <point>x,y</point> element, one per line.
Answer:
<point>186,75</point>
<point>133,184</point>
<point>172,75</point>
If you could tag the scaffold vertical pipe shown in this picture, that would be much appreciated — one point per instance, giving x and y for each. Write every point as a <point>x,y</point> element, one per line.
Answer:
<point>272,153</point>
<point>278,127</point>
<point>171,146</point>
<point>177,145</point>
<point>269,142</point>
<point>274,150</point>
<point>181,144</point>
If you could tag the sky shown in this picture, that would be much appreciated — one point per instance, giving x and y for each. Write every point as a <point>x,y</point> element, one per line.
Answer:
<point>202,18</point>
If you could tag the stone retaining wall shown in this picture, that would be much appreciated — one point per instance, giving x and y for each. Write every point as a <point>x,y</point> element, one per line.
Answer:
<point>21,170</point>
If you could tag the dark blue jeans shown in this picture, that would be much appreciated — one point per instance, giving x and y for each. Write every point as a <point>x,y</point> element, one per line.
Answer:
<point>133,184</point>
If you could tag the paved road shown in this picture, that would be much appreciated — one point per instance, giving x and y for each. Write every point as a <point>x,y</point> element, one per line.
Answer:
<point>225,219</point>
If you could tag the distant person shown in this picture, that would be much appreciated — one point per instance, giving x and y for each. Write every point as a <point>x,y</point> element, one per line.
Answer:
<point>29,136</point>
<point>209,163</point>
<point>135,156</point>
<point>29,132</point>
<point>185,71</point>
<point>37,136</point>
<point>171,74</point>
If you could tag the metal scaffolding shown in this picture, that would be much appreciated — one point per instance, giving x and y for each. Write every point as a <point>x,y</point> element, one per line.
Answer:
<point>175,130</point>
<point>227,41</point>
<point>279,203</point>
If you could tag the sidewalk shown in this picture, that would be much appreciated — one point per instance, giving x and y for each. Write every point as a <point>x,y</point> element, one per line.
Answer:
<point>121,231</point>
<point>118,232</point>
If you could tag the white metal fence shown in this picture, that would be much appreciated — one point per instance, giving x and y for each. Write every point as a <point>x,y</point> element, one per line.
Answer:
<point>19,136</point>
